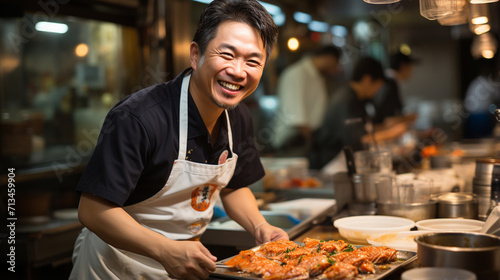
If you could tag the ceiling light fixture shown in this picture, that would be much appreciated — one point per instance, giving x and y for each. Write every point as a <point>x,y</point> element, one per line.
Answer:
<point>381,1</point>
<point>484,45</point>
<point>479,13</point>
<point>302,17</point>
<point>435,9</point>
<point>457,18</point>
<point>318,26</point>
<point>52,27</point>
<point>481,29</point>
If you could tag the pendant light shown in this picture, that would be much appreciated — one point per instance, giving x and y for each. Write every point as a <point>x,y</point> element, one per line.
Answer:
<point>484,45</point>
<point>479,18</point>
<point>457,18</point>
<point>479,13</point>
<point>435,9</point>
<point>381,1</point>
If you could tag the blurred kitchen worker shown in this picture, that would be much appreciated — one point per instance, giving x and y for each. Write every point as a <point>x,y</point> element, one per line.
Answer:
<point>481,99</point>
<point>388,101</point>
<point>303,96</point>
<point>167,152</point>
<point>346,122</point>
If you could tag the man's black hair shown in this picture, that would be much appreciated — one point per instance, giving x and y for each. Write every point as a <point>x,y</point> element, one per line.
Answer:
<point>368,66</point>
<point>398,59</point>
<point>328,50</point>
<point>250,12</point>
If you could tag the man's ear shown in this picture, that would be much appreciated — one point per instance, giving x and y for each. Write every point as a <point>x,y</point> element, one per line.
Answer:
<point>194,55</point>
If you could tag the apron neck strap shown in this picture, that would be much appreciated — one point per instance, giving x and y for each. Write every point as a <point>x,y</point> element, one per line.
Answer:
<point>183,120</point>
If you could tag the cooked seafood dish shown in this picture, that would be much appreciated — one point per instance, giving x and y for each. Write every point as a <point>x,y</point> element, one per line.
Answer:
<point>334,259</point>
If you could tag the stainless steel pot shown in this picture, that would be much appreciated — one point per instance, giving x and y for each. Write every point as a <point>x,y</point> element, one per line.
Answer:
<point>457,205</point>
<point>364,187</point>
<point>477,252</point>
<point>412,211</point>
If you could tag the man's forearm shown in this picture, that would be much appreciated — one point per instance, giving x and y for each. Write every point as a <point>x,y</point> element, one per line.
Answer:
<point>240,205</point>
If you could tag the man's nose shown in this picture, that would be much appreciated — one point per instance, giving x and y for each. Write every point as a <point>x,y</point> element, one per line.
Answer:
<point>237,69</point>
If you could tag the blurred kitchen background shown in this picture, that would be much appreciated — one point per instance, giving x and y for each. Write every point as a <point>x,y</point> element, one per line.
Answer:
<point>65,63</point>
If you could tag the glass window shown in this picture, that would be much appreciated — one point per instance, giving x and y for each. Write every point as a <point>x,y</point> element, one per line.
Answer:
<point>57,83</point>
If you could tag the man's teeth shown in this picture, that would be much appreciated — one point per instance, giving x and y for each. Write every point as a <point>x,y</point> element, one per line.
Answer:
<point>229,86</point>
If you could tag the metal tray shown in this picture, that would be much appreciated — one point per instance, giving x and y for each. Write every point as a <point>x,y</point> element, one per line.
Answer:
<point>381,270</point>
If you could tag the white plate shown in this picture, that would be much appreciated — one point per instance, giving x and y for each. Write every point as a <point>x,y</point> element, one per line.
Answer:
<point>359,228</point>
<point>403,240</point>
<point>445,224</point>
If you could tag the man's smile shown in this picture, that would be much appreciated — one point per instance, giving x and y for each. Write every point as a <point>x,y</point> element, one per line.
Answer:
<point>229,86</point>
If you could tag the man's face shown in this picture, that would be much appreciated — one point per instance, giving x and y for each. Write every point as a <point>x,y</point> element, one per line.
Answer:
<point>231,67</point>
<point>406,71</point>
<point>332,65</point>
<point>370,86</point>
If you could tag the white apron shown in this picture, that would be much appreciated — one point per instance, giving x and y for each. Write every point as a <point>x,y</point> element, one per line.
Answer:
<point>181,210</point>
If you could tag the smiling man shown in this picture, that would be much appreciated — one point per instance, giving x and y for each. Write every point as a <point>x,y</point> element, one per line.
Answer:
<point>166,153</point>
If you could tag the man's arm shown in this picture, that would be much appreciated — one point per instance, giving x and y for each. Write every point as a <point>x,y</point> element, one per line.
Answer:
<point>181,259</point>
<point>240,205</point>
<point>392,128</point>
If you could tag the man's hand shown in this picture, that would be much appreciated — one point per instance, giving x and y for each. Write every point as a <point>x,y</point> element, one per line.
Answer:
<point>265,233</point>
<point>188,260</point>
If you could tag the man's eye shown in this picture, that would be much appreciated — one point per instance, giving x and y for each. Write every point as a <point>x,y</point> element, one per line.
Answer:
<point>227,55</point>
<point>253,63</point>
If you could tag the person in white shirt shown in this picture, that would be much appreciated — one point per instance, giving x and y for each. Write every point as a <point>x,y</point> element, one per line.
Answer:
<point>303,96</point>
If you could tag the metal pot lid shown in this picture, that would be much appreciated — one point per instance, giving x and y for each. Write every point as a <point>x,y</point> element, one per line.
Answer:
<point>455,198</point>
<point>487,160</point>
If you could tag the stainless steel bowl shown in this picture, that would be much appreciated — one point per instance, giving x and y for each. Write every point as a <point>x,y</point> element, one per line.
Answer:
<point>477,252</point>
<point>412,211</point>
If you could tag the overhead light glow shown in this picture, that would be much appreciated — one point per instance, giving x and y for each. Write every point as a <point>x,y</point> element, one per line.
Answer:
<point>53,27</point>
<point>318,26</point>
<point>279,19</point>
<point>488,54</point>
<point>268,102</point>
<point>481,29</point>
<point>339,31</point>
<point>480,20</point>
<point>405,49</point>
<point>339,41</point>
<point>293,44</point>
<point>302,17</point>
<point>81,50</point>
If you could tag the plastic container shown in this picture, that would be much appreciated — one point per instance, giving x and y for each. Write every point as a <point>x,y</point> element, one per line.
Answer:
<point>461,225</point>
<point>373,162</point>
<point>359,228</point>
<point>403,240</point>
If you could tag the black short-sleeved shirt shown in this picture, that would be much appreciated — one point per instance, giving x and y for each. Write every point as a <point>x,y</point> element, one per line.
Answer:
<point>343,125</point>
<point>388,101</point>
<point>139,142</point>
